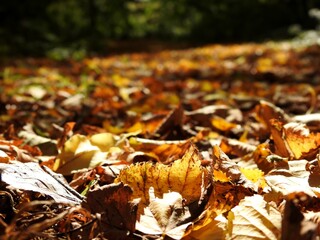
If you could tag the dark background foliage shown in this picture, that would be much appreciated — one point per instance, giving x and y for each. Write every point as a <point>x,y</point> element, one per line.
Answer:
<point>59,27</point>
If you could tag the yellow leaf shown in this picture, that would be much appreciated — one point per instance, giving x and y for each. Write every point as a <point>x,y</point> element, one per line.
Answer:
<point>184,175</point>
<point>264,65</point>
<point>208,227</point>
<point>218,175</point>
<point>300,140</point>
<point>221,124</point>
<point>103,141</point>
<point>83,152</point>
<point>254,175</point>
<point>294,140</point>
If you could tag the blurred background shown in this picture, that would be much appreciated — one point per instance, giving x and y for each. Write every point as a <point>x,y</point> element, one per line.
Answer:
<point>76,28</point>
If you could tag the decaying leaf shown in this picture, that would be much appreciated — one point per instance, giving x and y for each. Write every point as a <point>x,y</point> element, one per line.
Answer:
<point>223,163</point>
<point>91,119</point>
<point>235,147</point>
<point>46,145</point>
<point>162,151</point>
<point>114,204</point>
<point>254,218</point>
<point>267,111</point>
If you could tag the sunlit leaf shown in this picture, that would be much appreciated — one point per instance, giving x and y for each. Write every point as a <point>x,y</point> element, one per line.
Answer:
<point>31,177</point>
<point>185,176</point>
<point>83,152</point>
<point>165,216</point>
<point>254,218</point>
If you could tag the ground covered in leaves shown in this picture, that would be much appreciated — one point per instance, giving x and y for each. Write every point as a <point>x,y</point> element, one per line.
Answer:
<point>218,142</point>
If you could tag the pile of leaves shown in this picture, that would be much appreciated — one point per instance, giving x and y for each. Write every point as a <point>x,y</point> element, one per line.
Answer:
<point>218,142</point>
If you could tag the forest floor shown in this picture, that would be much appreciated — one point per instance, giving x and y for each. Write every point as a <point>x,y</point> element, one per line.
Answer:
<point>212,142</point>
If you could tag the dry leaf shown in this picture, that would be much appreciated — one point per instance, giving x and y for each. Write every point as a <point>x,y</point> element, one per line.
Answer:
<point>255,175</point>
<point>185,176</point>
<point>223,163</point>
<point>114,204</point>
<point>267,111</point>
<point>293,180</point>
<point>47,146</point>
<point>254,218</point>
<point>31,177</point>
<point>83,152</point>
<point>294,140</point>
<point>295,226</point>
<point>208,228</point>
<point>165,216</point>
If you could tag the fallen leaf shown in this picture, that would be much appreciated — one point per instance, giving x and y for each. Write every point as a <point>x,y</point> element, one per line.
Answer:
<point>83,152</point>
<point>31,177</point>
<point>266,111</point>
<point>185,176</point>
<point>208,228</point>
<point>294,140</point>
<point>254,218</point>
<point>295,226</point>
<point>47,146</point>
<point>114,203</point>
<point>292,180</point>
<point>222,162</point>
<point>165,216</point>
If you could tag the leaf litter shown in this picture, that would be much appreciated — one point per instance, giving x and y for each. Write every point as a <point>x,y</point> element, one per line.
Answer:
<point>217,142</point>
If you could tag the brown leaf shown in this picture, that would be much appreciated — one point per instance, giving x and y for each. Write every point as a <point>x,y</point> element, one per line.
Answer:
<point>267,111</point>
<point>295,179</point>
<point>114,204</point>
<point>235,147</point>
<point>295,226</point>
